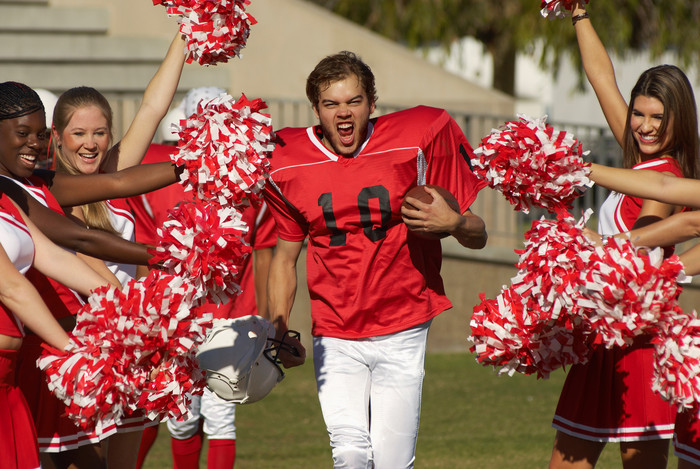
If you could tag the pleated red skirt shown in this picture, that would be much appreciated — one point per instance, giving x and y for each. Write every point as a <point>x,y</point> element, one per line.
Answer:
<point>18,443</point>
<point>686,440</point>
<point>610,398</point>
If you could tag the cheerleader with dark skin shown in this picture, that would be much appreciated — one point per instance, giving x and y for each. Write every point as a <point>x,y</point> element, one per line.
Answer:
<point>22,140</point>
<point>22,308</point>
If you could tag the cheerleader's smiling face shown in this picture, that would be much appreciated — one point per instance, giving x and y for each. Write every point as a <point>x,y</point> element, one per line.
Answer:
<point>646,124</point>
<point>85,140</point>
<point>23,140</point>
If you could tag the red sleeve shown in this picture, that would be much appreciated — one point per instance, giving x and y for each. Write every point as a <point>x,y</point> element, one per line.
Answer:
<point>265,235</point>
<point>290,225</point>
<point>448,155</point>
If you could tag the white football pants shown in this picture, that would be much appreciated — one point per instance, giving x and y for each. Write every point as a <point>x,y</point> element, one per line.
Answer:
<point>219,418</point>
<point>370,395</point>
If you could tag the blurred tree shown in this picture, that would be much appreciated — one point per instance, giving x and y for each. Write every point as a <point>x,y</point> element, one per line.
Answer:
<point>506,27</point>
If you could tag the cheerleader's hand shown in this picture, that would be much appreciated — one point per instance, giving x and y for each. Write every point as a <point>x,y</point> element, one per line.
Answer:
<point>593,236</point>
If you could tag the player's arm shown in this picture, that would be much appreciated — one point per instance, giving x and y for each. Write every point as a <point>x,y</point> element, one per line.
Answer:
<point>20,297</point>
<point>156,101</point>
<point>438,217</point>
<point>70,189</point>
<point>281,291</point>
<point>470,231</point>
<point>648,184</point>
<point>261,272</point>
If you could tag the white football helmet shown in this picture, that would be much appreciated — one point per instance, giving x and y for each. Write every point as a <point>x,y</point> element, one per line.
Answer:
<point>239,357</point>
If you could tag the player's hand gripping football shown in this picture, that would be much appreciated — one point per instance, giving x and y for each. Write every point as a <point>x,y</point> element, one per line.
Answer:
<point>430,212</point>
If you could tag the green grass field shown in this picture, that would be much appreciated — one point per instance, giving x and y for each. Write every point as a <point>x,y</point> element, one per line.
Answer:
<point>470,418</point>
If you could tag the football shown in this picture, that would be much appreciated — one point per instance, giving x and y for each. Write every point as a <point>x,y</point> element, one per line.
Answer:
<point>419,193</point>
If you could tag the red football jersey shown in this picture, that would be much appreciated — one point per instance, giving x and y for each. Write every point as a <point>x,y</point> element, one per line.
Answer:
<point>151,211</point>
<point>366,275</point>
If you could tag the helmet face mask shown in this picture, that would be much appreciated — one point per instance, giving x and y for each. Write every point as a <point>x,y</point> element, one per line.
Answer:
<point>275,346</point>
<point>240,359</point>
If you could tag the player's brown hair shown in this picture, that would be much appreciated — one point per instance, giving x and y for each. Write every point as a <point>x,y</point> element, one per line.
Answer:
<point>338,67</point>
<point>671,86</point>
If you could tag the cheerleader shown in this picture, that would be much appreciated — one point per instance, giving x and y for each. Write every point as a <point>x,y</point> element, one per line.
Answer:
<point>610,399</point>
<point>22,245</point>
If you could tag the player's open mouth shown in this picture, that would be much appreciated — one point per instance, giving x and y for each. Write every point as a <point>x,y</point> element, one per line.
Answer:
<point>346,132</point>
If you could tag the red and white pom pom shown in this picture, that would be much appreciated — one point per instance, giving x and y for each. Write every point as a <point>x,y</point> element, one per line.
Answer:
<point>535,326</point>
<point>533,164</point>
<point>555,251</point>
<point>495,336</point>
<point>224,148</point>
<point>557,8</point>
<point>677,361</point>
<point>215,31</point>
<point>509,333</point>
<point>167,393</point>
<point>628,292</point>
<point>120,338</point>
<point>204,246</point>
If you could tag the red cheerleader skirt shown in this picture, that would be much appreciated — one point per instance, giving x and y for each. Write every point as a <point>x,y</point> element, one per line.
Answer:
<point>18,445</point>
<point>610,397</point>
<point>686,440</point>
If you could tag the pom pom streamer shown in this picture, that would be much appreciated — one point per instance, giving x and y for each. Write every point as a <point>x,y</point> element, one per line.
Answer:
<point>532,327</point>
<point>121,337</point>
<point>627,293</point>
<point>215,31</point>
<point>557,8</point>
<point>224,148</point>
<point>570,295</point>
<point>204,246</point>
<point>677,361</point>
<point>532,164</point>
